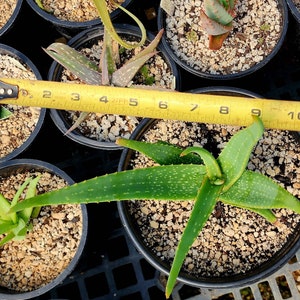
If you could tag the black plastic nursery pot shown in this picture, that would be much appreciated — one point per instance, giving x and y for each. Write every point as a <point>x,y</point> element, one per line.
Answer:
<point>71,28</point>
<point>161,21</point>
<point>23,59</point>
<point>88,38</point>
<point>294,10</point>
<point>14,167</point>
<point>254,275</point>
<point>10,23</point>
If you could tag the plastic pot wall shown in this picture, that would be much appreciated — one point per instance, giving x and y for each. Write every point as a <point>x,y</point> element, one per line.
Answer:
<point>13,167</point>
<point>5,49</point>
<point>233,281</point>
<point>85,39</point>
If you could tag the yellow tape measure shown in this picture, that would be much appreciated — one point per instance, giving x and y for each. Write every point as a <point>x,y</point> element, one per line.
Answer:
<point>207,108</point>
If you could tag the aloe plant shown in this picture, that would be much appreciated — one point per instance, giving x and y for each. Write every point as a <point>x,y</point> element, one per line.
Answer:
<point>190,174</point>
<point>216,20</point>
<point>16,225</point>
<point>106,73</point>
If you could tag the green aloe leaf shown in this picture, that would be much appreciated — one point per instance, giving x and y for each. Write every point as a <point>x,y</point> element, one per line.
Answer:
<point>216,11</point>
<point>204,205</point>
<point>20,231</point>
<point>39,3</point>
<point>256,191</point>
<point>105,17</point>
<point>26,214</point>
<point>162,153</point>
<point>16,232</point>
<point>212,27</point>
<point>4,208</point>
<point>213,170</point>
<point>31,184</point>
<point>235,156</point>
<point>17,196</point>
<point>75,62</point>
<point>173,182</point>
<point>4,112</point>
<point>17,226</point>
<point>7,238</point>
<point>20,191</point>
<point>228,4</point>
<point>108,59</point>
<point>265,213</point>
<point>7,226</point>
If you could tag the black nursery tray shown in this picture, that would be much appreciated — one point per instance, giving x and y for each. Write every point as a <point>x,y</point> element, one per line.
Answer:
<point>110,267</point>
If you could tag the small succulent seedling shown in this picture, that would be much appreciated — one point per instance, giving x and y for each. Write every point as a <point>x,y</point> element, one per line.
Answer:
<point>192,35</point>
<point>147,77</point>
<point>15,226</point>
<point>106,73</point>
<point>265,27</point>
<point>216,20</point>
<point>190,174</point>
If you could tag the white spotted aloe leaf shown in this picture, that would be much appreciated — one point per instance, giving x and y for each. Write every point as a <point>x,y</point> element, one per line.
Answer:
<point>204,180</point>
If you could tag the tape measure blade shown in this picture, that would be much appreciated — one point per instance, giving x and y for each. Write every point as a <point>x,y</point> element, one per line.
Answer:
<point>207,108</point>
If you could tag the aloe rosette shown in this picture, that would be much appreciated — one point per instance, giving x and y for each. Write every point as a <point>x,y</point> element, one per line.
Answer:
<point>190,174</point>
